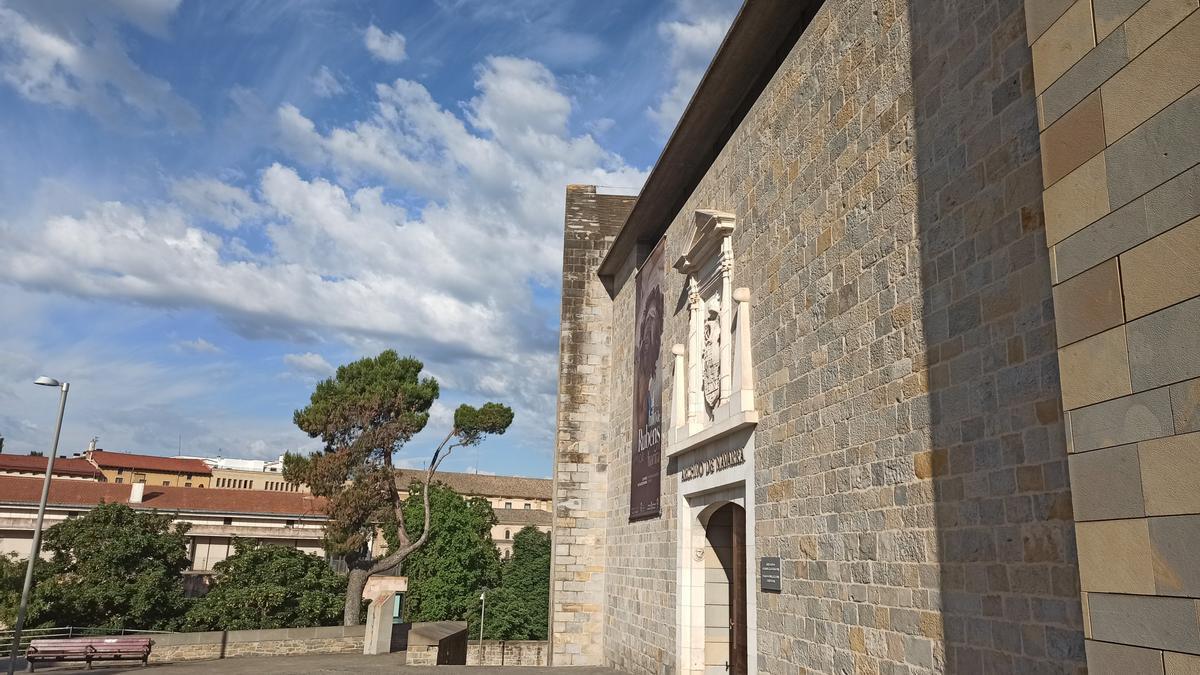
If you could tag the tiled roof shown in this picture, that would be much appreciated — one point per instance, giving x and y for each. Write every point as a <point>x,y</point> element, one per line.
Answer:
<point>86,494</point>
<point>523,517</point>
<point>124,460</point>
<point>63,466</point>
<point>481,485</point>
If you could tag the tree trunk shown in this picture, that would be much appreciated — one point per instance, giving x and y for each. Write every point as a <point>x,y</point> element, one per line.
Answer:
<point>355,584</point>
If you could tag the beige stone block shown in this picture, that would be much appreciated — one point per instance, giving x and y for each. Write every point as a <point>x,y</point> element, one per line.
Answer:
<point>1041,15</point>
<point>1114,556</point>
<point>1106,484</point>
<point>1112,13</point>
<point>1074,139</point>
<point>1077,200</point>
<point>1167,70</point>
<point>1164,347</point>
<point>1181,664</point>
<point>1063,44</point>
<point>1185,406</point>
<point>1158,150</point>
<point>1171,474</point>
<point>1088,303</point>
<point>1162,271</point>
<point>1087,616</point>
<point>1153,20</point>
<point>1094,369</point>
<point>1174,541</point>
<point>1104,658</point>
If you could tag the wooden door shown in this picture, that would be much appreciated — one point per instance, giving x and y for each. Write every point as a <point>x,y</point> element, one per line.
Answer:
<point>738,664</point>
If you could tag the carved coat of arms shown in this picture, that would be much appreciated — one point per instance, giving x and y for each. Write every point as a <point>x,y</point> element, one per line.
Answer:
<point>711,380</point>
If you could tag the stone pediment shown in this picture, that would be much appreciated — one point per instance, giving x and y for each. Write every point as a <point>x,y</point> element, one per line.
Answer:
<point>709,230</point>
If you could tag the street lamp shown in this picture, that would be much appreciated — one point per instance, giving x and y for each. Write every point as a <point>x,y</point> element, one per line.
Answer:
<point>35,548</point>
<point>482,607</point>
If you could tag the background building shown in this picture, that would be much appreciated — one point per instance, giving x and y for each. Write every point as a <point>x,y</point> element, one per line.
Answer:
<point>928,354</point>
<point>216,516</point>
<point>249,474</point>
<point>34,465</point>
<point>126,468</point>
<point>516,500</point>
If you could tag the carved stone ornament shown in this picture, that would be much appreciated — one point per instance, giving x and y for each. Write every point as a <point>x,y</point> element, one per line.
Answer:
<point>711,379</point>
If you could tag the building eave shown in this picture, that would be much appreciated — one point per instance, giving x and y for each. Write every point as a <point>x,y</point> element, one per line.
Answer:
<point>760,38</point>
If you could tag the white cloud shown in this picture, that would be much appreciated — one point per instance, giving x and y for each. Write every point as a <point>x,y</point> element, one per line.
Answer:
<point>217,201</point>
<point>119,393</point>
<point>446,275</point>
<point>692,41</point>
<point>327,84</point>
<point>387,47</point>
<point>199,346</point>
<point>72,56</point>
<point>308,364</point>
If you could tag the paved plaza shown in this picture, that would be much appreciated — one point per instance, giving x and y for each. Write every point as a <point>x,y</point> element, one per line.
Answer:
<point>320,663</point>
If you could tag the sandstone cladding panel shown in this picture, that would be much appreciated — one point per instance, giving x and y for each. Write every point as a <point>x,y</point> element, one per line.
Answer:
<point>1121,132</point>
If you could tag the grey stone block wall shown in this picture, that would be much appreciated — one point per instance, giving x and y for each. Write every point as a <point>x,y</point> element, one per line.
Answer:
<point>581,450</point>
<point>1123,224</point>
<point>911,467</point>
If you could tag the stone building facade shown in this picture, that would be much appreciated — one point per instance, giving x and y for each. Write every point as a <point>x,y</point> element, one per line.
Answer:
<point>917,212</point>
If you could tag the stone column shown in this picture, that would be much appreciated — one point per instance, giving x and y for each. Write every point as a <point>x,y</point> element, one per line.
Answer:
<point>1120,120</point>
<point>745,385</point>
<point>726,263</point>
<point>679,396</point>
<point>580,455</point>
<point>695,355</point>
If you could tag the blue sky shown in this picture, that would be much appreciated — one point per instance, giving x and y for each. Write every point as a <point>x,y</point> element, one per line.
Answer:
<point>207,206</point>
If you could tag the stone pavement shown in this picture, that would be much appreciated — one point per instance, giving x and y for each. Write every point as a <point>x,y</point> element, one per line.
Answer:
<point>318,663</point>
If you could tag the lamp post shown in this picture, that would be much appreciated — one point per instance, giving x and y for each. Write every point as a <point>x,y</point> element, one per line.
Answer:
<point>35,547</point>
<point>482,607</point>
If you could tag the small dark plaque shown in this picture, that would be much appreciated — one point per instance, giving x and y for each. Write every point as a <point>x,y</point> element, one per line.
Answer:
<point>768,575</point>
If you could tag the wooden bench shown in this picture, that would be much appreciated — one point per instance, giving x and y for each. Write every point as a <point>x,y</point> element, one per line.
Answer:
<point>89,649</point>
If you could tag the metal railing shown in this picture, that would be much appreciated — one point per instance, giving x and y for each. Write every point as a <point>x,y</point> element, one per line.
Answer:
<point>29,634</point>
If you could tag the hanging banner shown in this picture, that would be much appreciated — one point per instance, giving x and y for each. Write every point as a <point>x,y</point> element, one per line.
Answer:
<point>645,474</point>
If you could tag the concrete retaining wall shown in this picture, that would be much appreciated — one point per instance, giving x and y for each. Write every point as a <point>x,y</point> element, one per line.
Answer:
<point>508,653</point>
<point>495,653</point>
<point>276,642</point>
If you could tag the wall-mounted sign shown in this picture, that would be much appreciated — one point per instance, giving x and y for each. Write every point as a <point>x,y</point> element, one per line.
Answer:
<point>712,465</point>
<point>645,474</point>
<point>769,577</point>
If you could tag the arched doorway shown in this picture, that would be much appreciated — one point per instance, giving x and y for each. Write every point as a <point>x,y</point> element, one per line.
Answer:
<point>725,620</point>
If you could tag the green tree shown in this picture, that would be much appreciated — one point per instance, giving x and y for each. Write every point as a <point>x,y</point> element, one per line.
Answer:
<point>457,561</point>
<point>114,568</point>
<point>264,586</point>
<point>364,414</point>
<point>519,609</point>
<point>12,579</point>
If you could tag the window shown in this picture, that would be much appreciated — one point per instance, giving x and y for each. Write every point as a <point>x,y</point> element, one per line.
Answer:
<point>290,523</point>
<point>527,506</point>
<point>118,479</point>
<point>187,485</point>
<point>508,534</point>
<point>229,521</point>
<point>508,505</point>
<point>166,482</point>
<point>189,476</point>
<point>120,471</point>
